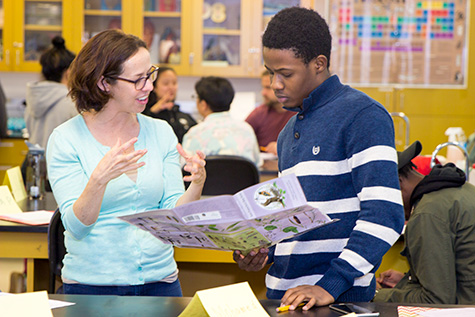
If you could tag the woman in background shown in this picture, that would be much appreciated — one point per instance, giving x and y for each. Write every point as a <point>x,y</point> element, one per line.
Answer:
<point>47,101</point>
<point>112,161</point>
<point>162,105</point>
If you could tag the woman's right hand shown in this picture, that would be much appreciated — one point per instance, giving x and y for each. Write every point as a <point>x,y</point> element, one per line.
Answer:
<point>166,102</point>
<point>120,159</point>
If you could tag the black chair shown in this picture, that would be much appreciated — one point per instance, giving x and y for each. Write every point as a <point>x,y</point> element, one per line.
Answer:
<point>228,174</point>
<point>56,250</point>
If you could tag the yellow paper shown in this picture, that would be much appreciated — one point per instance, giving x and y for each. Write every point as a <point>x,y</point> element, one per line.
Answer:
<point>16,183</point>
<point>25,305</point>
<point>8,205</point>
<point>194,309</point>
<point>231,300</point>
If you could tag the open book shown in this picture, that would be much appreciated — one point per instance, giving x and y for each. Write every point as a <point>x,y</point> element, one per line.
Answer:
<point>258,216</point>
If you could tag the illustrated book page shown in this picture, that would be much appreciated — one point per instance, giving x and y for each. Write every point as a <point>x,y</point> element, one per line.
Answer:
<point>258,216</point>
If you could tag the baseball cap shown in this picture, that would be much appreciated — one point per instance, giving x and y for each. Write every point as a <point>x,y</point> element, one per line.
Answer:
<point>408,154</point>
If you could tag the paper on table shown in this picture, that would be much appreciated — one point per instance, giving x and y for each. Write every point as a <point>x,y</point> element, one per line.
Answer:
<point>32,218</point>
<point>268,156</point>
<point>53,303</point>
<point>412,311</point>
<point>449,312</point>
<point>16,183</point>
<point>231,300</point>
<point>26,304</point>
<point>7,203</point>
<point>59,303</point>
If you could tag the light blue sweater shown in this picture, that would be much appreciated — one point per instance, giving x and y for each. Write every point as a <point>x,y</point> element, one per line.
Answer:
<point>341,147</point>
<point>110,251</point>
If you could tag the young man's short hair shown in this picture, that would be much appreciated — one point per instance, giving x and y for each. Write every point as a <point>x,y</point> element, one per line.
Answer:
<point>301,30</point>
<point>216,91</point>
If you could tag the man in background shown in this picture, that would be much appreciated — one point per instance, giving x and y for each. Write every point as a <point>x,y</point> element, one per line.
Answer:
<point>439,237</point>
<point>268,119</point>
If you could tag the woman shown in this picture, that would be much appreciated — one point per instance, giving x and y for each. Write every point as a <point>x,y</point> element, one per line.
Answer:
<point>47,101</point>
<point>112,161</point>
<point>162,105</point>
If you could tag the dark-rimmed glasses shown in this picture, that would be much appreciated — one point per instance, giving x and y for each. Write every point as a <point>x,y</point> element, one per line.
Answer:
<point>142,81</point>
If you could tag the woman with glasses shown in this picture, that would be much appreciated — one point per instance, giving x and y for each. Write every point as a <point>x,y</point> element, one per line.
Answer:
<point>161,103</point>
<point>112,161</point>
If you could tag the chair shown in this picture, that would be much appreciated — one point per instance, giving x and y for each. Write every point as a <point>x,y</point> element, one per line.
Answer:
<point>228,174</point>
<point>56,250</point>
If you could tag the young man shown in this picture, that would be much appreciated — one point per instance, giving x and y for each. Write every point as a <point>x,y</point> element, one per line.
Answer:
<point>439,236</point>
<point>340,144</point>
<point>219,133</point>
<point>268,119</point>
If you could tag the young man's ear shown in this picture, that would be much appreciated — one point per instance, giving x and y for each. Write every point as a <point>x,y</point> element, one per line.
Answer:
<point>320,63</point>
<point>103,84</point>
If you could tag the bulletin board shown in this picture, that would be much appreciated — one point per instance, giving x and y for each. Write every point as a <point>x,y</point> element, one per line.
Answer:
<point>406,42</point>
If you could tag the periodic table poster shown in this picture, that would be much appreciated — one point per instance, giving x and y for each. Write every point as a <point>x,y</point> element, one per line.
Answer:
<point>406,42</point>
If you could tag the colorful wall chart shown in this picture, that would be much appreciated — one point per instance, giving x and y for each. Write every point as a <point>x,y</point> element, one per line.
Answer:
<point>407,42</point>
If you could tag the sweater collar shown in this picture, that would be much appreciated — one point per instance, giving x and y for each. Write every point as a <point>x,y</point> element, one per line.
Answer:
<point>321,95</point>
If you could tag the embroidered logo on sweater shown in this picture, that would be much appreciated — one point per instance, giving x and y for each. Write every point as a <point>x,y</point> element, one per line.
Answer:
<point>315,150</point>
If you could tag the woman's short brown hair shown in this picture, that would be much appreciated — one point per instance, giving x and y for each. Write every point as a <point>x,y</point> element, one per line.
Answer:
<point>103,56</point>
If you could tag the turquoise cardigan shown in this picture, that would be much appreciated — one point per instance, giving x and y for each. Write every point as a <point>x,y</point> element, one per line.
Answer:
<point>110,251</point>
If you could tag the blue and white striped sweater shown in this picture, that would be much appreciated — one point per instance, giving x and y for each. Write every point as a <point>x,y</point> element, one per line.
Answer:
<point>341,147</point>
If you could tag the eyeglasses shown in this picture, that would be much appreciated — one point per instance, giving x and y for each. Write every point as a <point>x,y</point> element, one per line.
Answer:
<point>142,81</point>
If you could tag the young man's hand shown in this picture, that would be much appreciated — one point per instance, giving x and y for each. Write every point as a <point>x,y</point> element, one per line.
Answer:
<point>254,261</point>
<point>389,278</point>
<point>312,294</point>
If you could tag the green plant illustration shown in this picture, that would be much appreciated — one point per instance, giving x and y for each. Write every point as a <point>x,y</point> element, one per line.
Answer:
<point>292,228</point>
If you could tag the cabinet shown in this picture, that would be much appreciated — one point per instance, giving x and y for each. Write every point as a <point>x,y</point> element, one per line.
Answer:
<point>430,111</point>
<point>12,153</point>
<point>161,23</point>
<point>29,26</point>
<point>2,36</point>
<point>166,29</point>
<point>227,36</point>
<point>196,37</point>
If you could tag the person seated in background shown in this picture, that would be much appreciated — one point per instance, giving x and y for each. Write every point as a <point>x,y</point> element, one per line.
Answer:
<point>219,133</point>
<point>3,113</point>
<point>270,118</point>
<point>161,103</point>
<point>112,161</point>
<point>47,101</point>
<point>439,237</point>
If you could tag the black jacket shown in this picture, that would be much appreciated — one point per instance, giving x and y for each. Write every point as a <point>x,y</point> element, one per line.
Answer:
<point>181,122</point>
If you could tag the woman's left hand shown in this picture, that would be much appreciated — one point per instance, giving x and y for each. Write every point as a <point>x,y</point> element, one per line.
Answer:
<point>195,165</point>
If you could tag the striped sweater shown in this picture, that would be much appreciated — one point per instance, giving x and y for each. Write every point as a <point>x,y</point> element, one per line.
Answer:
<point>341,147</point>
